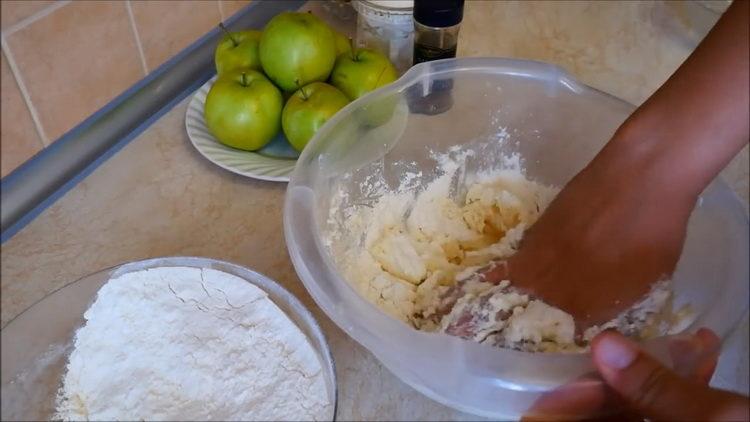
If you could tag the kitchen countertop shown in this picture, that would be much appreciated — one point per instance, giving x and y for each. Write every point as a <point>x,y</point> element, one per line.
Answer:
<point>159,197</point>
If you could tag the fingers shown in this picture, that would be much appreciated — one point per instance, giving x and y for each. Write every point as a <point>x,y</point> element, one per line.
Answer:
<point>495,273</point>
<point>583,398</point>
<point>695,356</point>
<point>707,365</point>
<point>655,391</point>
<point>642,382</point>
<point>642,387</point>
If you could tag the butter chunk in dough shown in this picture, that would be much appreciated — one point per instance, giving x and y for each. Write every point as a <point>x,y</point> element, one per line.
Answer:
<point>397,255</point>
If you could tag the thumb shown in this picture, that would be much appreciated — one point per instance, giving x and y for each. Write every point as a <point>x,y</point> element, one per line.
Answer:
<point>653,390</point>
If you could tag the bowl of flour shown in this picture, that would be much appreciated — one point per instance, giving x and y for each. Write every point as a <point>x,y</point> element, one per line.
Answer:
<point>177,338</point>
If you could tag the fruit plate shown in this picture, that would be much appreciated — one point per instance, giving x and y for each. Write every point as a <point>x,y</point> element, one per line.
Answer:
<point>274,162</point>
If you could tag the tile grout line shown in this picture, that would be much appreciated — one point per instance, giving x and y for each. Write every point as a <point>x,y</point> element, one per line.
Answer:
<point>221,9</point>
<point>24,92</point>
<point>138,43</point>
<point>35,17</point>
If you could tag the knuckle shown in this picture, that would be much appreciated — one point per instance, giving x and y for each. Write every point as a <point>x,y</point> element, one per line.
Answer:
<point>653,387</point>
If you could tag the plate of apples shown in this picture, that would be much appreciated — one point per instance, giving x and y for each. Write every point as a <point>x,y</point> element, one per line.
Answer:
<point>274,89</point>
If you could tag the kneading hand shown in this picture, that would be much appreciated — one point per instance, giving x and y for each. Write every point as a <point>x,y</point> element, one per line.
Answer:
<point>601,244</point>
<point>619,225</point>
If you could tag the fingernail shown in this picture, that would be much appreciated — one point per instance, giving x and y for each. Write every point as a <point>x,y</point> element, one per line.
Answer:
<point>615,352</point>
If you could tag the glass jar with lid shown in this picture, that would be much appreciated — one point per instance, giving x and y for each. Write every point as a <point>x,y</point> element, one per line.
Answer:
<point>387,26</point>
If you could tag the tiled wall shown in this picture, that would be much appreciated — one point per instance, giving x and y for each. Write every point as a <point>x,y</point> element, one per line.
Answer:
<point>63,60</point>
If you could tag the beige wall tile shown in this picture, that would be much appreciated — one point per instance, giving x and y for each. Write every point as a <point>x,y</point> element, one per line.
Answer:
<point>18,137</point>
<point>625,48</point>
<point>13,11</point>
<point>230,7</point>
<point>167,27</point>
<point>75,60</point>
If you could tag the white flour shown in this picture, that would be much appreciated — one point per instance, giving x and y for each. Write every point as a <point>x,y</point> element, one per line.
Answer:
<point>178,343</point>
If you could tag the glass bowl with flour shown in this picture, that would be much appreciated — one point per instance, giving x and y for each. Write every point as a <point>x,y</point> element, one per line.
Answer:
<point>421,183</point>
<point>168,339</point>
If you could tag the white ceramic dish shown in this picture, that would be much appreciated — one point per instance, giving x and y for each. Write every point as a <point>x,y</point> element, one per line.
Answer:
<point>274,162</point>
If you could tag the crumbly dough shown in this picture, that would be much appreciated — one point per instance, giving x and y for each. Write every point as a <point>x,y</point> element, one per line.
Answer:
<point>405,251</point>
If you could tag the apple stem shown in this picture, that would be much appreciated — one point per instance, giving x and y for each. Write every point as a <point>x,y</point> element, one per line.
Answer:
<point>229,34</point>
<point>244,79</point>
<point>351,44</point>
<point>304,94</point>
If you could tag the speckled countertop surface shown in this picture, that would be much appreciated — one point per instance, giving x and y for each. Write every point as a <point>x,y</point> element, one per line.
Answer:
<point>159,197</point>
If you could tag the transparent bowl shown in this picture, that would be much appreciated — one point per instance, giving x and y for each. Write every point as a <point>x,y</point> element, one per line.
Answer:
<point>36,344</point>
<point>556,124</point>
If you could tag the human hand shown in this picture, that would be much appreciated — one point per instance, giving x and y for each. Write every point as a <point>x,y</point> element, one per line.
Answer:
<point>601,244</point>
<point>619,225</point>
<point>640,387</point>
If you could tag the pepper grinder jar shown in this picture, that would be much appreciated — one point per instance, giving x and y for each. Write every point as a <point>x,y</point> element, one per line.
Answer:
<point>436,26</point>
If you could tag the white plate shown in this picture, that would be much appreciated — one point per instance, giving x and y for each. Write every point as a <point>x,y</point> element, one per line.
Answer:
<point>274,162</point>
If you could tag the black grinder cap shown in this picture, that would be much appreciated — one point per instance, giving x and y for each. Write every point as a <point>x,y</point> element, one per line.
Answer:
<point>438,13</point>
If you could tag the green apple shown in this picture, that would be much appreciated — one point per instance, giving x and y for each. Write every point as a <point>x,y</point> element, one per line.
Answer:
<point>378,112</point>
<point>361,72</point>
<point>237,50</point>
<point>307,111</point>
<point>297,49</point>
<point>243,110</point>
<point>343,44</point>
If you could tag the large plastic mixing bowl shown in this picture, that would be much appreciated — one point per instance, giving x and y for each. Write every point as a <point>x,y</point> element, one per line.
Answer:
<point>556,125</point>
